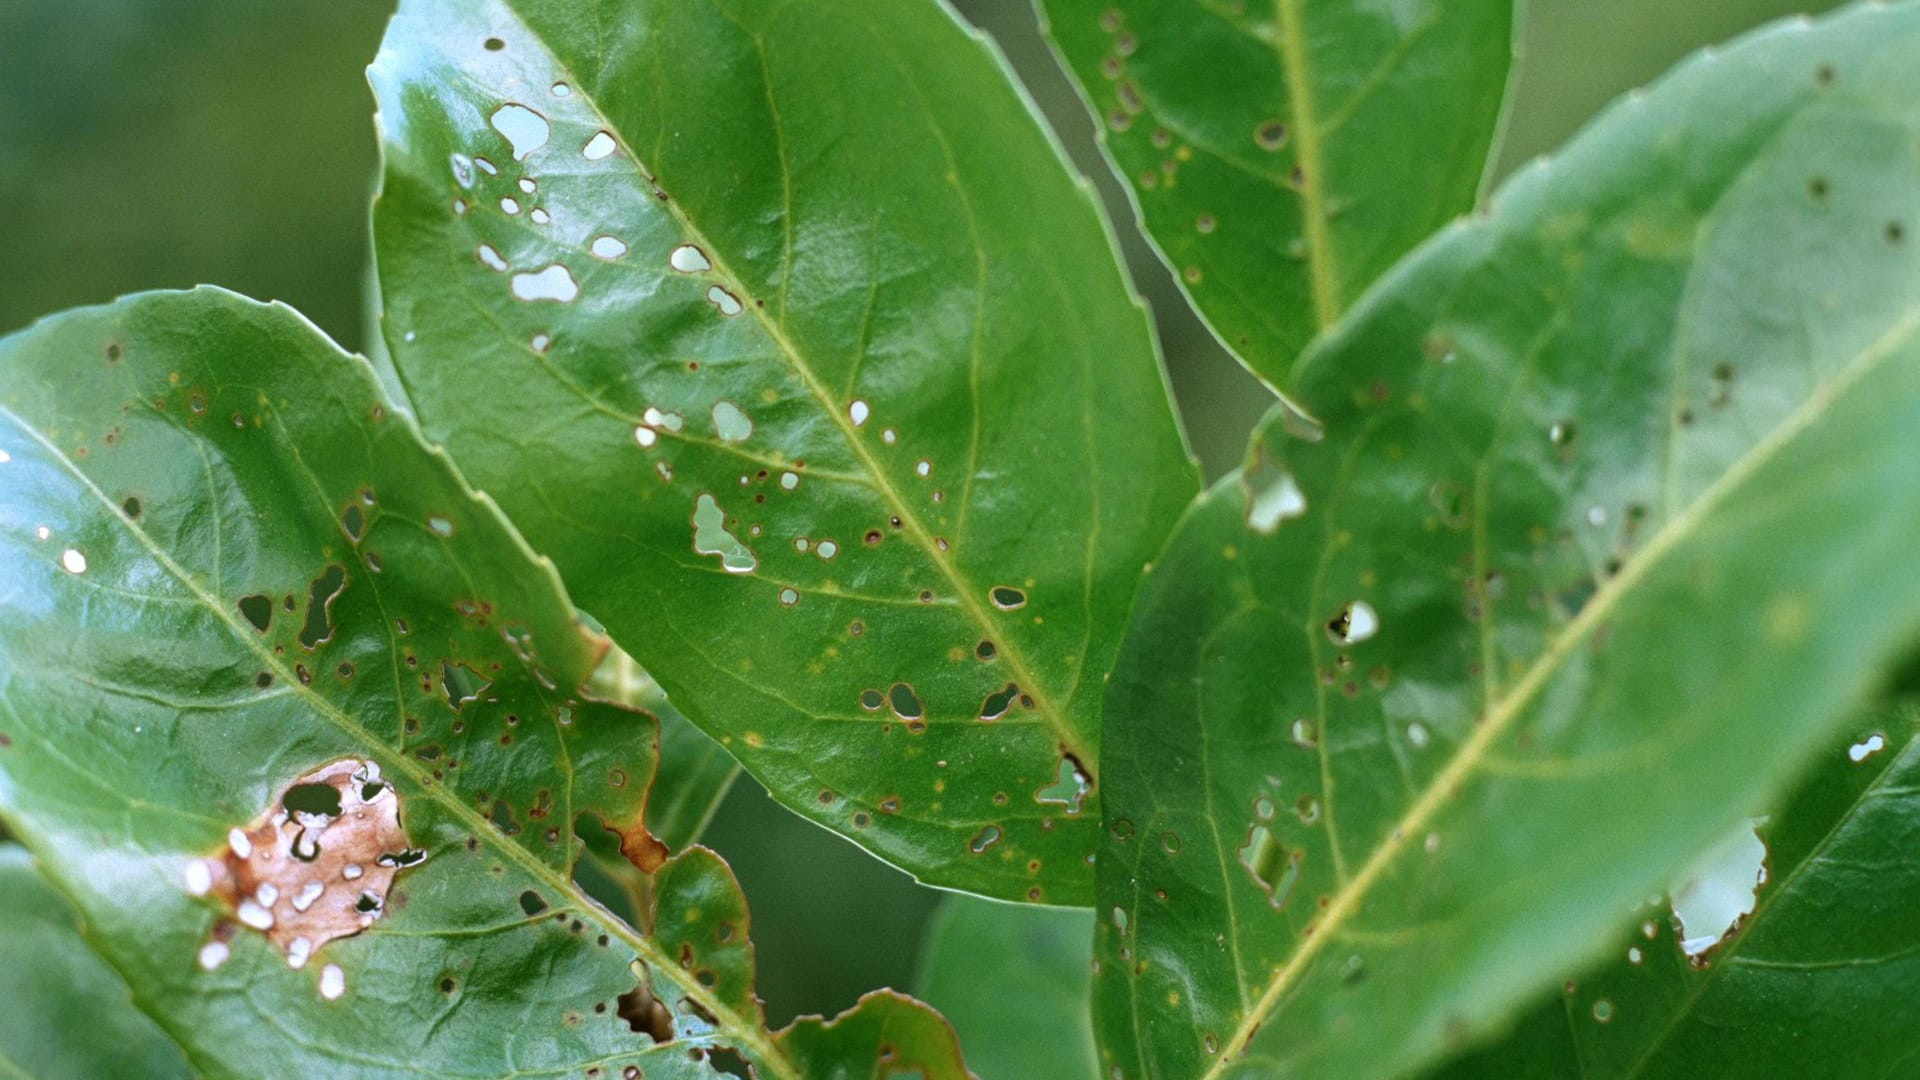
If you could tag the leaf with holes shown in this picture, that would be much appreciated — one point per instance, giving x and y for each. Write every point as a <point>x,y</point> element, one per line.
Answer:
<point>786,332</point>
<point>1605,527</point>
<point>1282,154</point>
<point>1817,981</point>
<point>1013,982</point>
<point>295,720</point>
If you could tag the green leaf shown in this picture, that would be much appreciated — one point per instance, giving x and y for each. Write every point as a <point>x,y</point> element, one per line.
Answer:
<point>1608,523</point>
<point>293,717</point>
<point>892,440</point>
<point>694,774</point>
<point>1282,154</point>
<point>1817,981</point>
<point>49,977</point>
<point>913,1042</point>
<point>1013,983</point>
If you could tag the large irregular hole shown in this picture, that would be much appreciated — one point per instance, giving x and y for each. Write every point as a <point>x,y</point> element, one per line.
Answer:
<point>1069,787</point>
<point>551,282</point>
<point>460,684</point>
<point>710,537</point>
<point>643,1012</point>
<point>1718,890</point>
<point>1272,495</point>
<point>525,129</point>
<point>320,596</point>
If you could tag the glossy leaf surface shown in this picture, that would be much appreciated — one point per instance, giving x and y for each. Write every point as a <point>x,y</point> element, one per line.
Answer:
<point>49,976</point>
<point>292,715</point>
<point>1013,981</point>
<point>787,333</point>
<point>1816,982</point>
<point>1282,154</point>
<point>1608,527</point>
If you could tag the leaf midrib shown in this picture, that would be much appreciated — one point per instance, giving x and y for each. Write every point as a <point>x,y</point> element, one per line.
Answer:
<point>1500,716</point>
<point>1292,50</point>
<point>750,1034</point>
<point>965,590</point>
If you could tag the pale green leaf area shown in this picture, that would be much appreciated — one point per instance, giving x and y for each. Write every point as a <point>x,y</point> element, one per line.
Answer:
<point>49,975</point>
<point>294,720</point>
<point>863,435</point>
<point>1013,981</point>
<point>1604,529</point>
<point>1817,981</point>
<point>1283,154</point>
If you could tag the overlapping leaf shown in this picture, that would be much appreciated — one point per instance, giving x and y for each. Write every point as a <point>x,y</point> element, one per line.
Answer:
<point>1817,981</point>
<point>694,773</point>
<point>1013,982</point>
<point>1284,153</point>
<point>786,332</point>
<point>1609,524</point>
<point>294,718</point>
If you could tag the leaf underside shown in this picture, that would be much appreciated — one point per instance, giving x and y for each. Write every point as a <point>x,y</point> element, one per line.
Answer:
<point>230,572</point>
<point>1609,527</point>
<point>786,333</point>
<point>1283,154</point>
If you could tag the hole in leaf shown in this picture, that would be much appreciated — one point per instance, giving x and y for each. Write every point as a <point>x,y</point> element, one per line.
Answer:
<point>1069,787</point>
<point>1718,891</point>
<point>1272,495</point>
<point>460,684</point>
<point>524,129</point>
<point>258,610</point>
<point>320,596</point>
<point>1866,748</point>
<point>998,702</point>
<point>320,799</point>
<point>710,537</point>
<point>1355,623</point>
<point>642,1011</point>
<point>904,702</point>
<point>1007,598</point>
<point>1274,868</point>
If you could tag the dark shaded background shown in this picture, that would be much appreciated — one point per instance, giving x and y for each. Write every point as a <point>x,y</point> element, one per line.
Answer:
<point>161,143</point>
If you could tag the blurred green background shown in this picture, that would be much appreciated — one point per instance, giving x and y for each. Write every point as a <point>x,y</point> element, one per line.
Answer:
<point>160,143</point>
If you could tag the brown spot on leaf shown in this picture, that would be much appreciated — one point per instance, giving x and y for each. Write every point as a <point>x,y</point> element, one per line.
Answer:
<point>317,864</point>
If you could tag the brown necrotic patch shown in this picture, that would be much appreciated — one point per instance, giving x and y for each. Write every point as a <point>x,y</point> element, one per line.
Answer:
<point>317,864</point>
